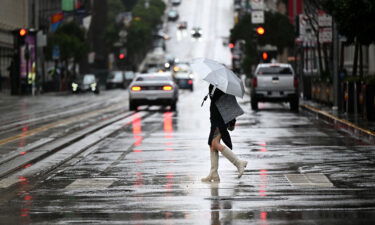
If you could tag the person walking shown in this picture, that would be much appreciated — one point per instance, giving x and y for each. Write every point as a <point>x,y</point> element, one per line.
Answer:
<point>219,131</point>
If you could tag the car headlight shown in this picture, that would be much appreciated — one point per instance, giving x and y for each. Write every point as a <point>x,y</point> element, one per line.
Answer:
<point>93,86</point>
<point>74,86</point>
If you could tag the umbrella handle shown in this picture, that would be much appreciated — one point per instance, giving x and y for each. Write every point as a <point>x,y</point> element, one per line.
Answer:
<point>204,99</point>
<point>213,91</point>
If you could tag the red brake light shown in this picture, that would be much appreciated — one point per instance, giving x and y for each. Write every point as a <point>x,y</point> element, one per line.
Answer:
<point>190,81</point>
<point>167,88</point>
<point>254,82</point>
<point>136,88</point>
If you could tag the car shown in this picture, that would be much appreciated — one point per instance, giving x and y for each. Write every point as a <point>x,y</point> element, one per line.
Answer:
<point>172,15</point>
<point>153,89</point>
<point>181,66</point>
<point>115,79</point>
<point>274,82</point>
<point>86,83</point>
<point>159,43</point>
<point>184,80</point>
<point>176,2</point>
<point>155,59</point>
<point>129,76</point>
<point>182,25</point>
<point>196,32</point>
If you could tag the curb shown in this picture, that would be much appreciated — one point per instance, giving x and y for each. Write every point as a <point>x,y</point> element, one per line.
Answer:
<point>341,124</point>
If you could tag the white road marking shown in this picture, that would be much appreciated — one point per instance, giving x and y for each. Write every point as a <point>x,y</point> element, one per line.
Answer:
<point>91,183</point>
<point>309,180</point>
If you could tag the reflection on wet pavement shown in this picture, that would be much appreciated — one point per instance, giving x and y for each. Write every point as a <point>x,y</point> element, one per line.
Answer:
<point>160,183</point>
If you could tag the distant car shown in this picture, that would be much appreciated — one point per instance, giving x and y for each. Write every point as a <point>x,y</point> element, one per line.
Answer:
<point>184,80</point>
<point>86,83</point>
<point>182,67</point>
<point>172,15</point>
<point>182,25</point>
<point>274,82</point>
<point>153,89</point>
<point>115,79</point>
<point>159,43</point>
<point>129,76</point>
<point>176,2</point>
<point>196,32</point>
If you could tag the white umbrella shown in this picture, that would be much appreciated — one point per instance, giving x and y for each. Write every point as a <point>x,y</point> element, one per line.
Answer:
<point>218,75</point>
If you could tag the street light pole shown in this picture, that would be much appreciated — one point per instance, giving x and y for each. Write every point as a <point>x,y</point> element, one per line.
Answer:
<point>335,66</point>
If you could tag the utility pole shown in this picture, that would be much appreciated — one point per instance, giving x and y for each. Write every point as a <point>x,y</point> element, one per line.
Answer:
<point>335,41</point>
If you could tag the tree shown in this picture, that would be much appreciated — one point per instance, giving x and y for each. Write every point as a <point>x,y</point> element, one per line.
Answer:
<point>140,32</point>
<point>278,32</point>
<point>70,38</point>
<point>145,18</point>
<point>354,19</point>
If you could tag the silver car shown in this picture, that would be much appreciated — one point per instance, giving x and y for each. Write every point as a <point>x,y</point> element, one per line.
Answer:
<point>115,80</point>
<point>153,89</point>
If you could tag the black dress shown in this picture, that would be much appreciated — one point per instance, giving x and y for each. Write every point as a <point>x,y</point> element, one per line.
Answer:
<point>217,122</point>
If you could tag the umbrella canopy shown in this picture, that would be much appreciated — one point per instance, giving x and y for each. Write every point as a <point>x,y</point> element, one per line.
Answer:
<point>218,75</point>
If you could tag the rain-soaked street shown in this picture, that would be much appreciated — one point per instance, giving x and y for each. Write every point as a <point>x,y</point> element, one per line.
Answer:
<point>87,159</point>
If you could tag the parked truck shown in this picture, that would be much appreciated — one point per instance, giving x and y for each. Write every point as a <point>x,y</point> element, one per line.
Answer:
<point>274,82</point>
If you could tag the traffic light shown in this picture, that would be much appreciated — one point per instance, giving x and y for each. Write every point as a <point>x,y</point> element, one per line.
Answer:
<point>231,45</point>
<point>121,56</point>
<point>20,35</point>
<point>22,32</point>
<point>265,56</point>
<point>260,30</point>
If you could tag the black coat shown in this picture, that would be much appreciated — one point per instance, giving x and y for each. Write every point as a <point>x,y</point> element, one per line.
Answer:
<point>216,119</point>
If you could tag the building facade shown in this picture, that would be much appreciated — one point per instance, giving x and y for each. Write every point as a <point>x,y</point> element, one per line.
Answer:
<point>16,14</point>
<point>13,15</point>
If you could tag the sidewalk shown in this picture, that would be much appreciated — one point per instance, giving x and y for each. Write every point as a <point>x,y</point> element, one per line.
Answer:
<point>353,124</point>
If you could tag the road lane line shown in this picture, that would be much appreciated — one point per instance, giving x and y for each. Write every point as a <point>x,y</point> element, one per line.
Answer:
<point>60,157</point>
<point>29,133</point>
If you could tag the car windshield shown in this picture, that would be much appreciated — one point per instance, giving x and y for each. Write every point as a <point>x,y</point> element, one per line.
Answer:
<point>129,75</point>
<point>182,75</point>
<point>275,70</point>
<point>172,13</point>
<point>153,78</point>
<point>88,79</point>
<point>181,67</point>
<point>115,76</point>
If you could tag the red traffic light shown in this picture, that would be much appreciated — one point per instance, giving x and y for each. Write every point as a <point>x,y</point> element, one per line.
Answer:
<point>231,45</point>
<point>264,55</point>
<point>121,56</point>
<point>260,30</point>
<point>22,32</point>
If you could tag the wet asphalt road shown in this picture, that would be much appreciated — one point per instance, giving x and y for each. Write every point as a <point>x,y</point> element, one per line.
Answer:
<point>145,167</point>
<point>148,172</point>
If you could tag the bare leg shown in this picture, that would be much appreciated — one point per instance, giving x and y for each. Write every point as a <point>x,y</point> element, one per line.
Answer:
<point>216,144</point>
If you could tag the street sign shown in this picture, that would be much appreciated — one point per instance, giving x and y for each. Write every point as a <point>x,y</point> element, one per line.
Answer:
<point>324,20</point>
<point>267,48</point>
<point>55,52</point>
<point>325,35</point>
<point>257,17</point>
<point>41,39</point>
<point>257,4</point>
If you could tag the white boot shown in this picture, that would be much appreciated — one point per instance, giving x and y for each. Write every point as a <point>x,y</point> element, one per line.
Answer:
<point>214,175</point>
<point>240,164</point>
